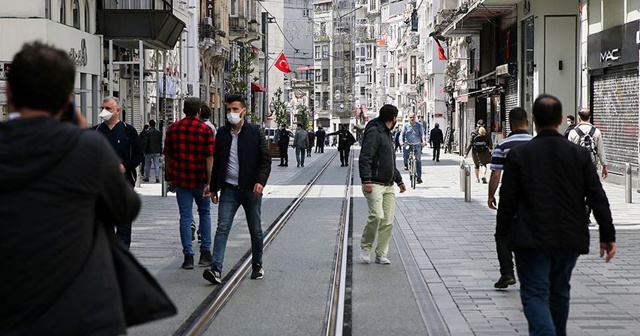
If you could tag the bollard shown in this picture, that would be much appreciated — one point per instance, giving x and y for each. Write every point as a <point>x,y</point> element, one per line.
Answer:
<point>638,178</point>
<point>163,184</point>
<point>627,183</point>
<point>462,176</point>
<point>467,183</point>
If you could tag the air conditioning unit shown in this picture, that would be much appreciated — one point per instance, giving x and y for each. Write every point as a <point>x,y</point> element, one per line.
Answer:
<point>208,21</point>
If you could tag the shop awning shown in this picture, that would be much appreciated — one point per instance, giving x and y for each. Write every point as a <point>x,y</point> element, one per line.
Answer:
<point>470,18</point>
<point>486,91</point>
<point>257,87</point>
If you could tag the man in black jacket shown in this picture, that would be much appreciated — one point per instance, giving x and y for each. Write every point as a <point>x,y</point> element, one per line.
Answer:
<point>241,168</point>
<point>320,136</point>
<point>153,148</point>
<point>378,172</point>
<point>436,138</point>
<point>284,137</point>
<point>542,200</point>
<point>345,141</point>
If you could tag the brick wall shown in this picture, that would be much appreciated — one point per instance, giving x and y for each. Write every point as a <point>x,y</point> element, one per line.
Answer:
<point>615,112</point>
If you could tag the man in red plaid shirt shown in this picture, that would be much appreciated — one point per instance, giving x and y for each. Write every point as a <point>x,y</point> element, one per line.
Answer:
<point>188,151</point>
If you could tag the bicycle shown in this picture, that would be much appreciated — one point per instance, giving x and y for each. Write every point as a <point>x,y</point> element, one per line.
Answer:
<point>412,164</point>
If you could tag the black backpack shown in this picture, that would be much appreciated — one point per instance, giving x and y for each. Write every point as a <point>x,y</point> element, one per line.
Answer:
<point>480,143</point>
<point>587,142</point>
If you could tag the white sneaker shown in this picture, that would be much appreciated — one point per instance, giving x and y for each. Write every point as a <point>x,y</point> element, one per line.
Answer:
<point>365,257</point>
<point>383,261</point>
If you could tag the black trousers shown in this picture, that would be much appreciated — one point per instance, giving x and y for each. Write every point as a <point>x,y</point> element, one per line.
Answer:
<point>344,154</point>
<point>436,151</point>
<point>284,154</point>
<point>505,258</point>
<point>320,146</point>
<point>123,231</point>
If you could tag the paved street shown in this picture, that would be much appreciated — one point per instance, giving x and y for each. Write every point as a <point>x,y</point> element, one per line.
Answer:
<point>449,244</point>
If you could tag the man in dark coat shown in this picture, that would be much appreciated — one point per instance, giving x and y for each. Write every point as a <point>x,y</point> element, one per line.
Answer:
<point>283,145</point>
<point>320,138</point>
<point>542,200</point>
<point>436,138</point>
<point>59,185</point>
<point>345,141</point>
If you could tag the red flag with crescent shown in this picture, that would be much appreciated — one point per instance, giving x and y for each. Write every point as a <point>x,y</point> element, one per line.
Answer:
<point>441,55</point>
<point>282,64</point>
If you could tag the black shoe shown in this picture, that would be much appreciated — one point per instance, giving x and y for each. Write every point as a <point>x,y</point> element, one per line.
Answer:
<point>193,230</point>
<point>188,262</point>
<point>258,272</point>
<point>298,165</point>
<point>419,180</point>
<point>281,165</point>
<point>406,168</point>
<point>438,160</point>
<point>302,165</point>
<point>213,275</point>
<point>433,159</point>
<point>505,281</point>
<point>205,258</point>
<point>157,180</point>
<point>146,179</point>
<point>286,165</point>
<point>484,180</point>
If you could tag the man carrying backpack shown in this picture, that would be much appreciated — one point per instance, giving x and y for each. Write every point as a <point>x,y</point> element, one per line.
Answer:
<point>590,137</point>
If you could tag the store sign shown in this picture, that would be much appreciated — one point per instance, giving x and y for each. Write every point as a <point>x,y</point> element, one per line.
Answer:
<point>79,57</point>
<point>614,46</point>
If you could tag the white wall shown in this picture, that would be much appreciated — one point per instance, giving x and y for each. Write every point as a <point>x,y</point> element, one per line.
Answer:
<point>29,8</point>
<point>276,45</point>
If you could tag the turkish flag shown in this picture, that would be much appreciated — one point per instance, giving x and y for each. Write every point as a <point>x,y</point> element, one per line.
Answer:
<point>441,55</point>
<point>282,64</point>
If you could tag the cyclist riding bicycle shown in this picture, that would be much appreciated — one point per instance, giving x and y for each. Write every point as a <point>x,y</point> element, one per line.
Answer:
<point>413,133</point>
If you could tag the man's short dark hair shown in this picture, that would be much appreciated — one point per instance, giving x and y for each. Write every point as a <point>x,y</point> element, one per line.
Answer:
<point>584,114</point>
<point>230,98</point>
<point>152,123</point>
<point>572,118</point>
<point>41,78</point>
<point>191,106</point>
<point>387,113</point>
<point>517,117</point>
<point>205,111</point>
<point>299,125</point>
<point>547,110</point>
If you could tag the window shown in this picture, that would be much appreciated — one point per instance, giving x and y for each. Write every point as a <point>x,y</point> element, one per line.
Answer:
<point>325,51</point>
<point>87,17</point>
<point>75,7</point>
<point>363,51</point>
<point>363,91</point>
<point>368,52</point>
<point>362,68</point>
<point>392,80</point>
<point>317,52</point>
<point>405,75</point>
<point>63,12</point>
<point>414,66</point>
<point>325,75</point>
<point>369,76</point>
<point>233,10</point>
<point>318,76</point>
<point>305,13</point>
<point>47,9</point>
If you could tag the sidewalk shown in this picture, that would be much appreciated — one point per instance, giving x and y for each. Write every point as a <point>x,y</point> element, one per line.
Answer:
<point>453,245</point>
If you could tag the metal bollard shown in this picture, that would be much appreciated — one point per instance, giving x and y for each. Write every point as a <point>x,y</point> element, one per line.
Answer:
<point>163,186</point>
<point>627,183</point>
<point>467,184</point>
<point>462,176</point>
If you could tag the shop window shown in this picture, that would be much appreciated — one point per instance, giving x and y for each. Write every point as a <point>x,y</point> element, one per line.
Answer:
<point>63,12</point>
<point>76,14</point>
<point>87,17</point>
<point>47,9</point>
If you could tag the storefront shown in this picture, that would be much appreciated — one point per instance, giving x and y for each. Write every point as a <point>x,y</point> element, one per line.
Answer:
<point>83,48</point>
<point>613,68</point>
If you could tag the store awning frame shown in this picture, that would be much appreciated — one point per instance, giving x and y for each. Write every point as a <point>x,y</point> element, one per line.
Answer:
<point>255,87</point>
<point>486,91</point>
<point>477,14</point>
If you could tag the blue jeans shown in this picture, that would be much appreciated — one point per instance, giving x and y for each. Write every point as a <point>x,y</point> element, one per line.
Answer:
<point>185,199</point>
<point>155,157</point>
<point>417,152</point>
<point>545,289</point>
<point>300,153</point>
<point>231,198</point>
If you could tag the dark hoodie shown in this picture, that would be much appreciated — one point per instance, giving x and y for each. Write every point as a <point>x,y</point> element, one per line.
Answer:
<point>56,181</point>
<point>378,157</point>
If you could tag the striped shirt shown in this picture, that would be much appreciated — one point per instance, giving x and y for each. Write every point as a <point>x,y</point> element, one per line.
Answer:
<point>499,155</point>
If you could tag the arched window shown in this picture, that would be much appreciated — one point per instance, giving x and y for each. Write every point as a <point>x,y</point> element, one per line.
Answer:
<point>63,12</point>
<point>76,14</point>
<point>87,17</point>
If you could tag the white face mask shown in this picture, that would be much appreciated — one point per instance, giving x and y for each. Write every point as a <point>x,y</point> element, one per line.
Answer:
<point>105,115</point>
<point>568,122</point>
<point>234,118</point>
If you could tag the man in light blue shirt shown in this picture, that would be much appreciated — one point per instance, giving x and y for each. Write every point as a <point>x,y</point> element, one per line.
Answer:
<point>413,133</point>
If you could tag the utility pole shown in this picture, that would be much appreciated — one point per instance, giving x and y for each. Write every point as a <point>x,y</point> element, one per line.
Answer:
<point>265,50</point>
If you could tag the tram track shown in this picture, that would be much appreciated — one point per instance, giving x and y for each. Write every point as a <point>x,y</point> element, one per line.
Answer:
<point>200,320</point>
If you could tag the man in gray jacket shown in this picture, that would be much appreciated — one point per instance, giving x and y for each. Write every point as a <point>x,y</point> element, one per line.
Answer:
<point>378,172</point>
<point>300,143</point>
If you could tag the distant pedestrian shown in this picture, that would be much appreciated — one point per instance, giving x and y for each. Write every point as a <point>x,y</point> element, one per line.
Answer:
<point>396,139</point>
<point>126,142</point>
<point>590,137</point>
<point>188,151</point>
<point>436,139</point>
<point>378,173</point>
<point>300,143</point>
<point>571,124</point>
<point>62,191</point>
<point>544,187</point>
<point>413,134</point>
<point>284,137</point>
<point>205,115</point>
<point>345,141</point>
<point>312,137</point>
<point>519,135</point>
<point>143,144</point>
<point>241,169</point>
<point>153,148</point>
<point>480,148</point>
<point>320,139</point>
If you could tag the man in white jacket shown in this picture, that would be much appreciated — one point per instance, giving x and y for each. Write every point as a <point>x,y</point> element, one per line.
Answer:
<point>586,128</point>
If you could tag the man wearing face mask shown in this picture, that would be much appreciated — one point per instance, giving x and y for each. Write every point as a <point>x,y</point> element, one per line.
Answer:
<point>125,141</point>
<point>241,169</point>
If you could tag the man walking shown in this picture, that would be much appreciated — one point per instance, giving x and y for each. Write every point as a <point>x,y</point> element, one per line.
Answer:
<point>544,187</point>
<point>188,151</point>
<point>519,135</point>
<point>590,137</point>
<point>311,135</point>
<point>571,124</point>
<point>126,142</point>
<point>320,137</point>
<point>345,141</point>
<point>240,172</point>
<point>153,148</point>
<point>283,146</point>
<point>378,172</point>
<point>300,143</point>
<point>413,133</point>
<point>436,138</point>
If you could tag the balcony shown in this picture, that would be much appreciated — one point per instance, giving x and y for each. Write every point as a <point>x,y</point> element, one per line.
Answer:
<point>242,30</point>
<point>468,17</point>
<point>158,27</point>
